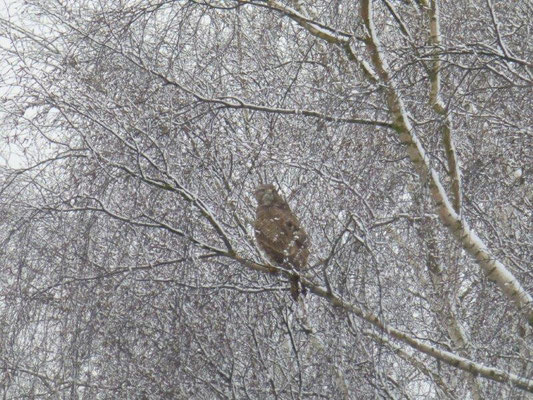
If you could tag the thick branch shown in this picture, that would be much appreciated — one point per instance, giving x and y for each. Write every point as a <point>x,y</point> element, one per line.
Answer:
<point>440,108</point>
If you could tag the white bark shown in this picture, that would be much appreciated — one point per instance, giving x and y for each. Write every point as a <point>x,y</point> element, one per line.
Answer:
<point>459,228</point>
<point>447,357</point>
<point>440,108</point>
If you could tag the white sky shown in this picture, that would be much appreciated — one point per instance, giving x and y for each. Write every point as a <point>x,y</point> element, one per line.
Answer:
<point>10,154</point>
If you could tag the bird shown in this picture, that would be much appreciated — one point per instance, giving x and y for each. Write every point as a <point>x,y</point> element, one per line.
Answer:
<point>280,235</point>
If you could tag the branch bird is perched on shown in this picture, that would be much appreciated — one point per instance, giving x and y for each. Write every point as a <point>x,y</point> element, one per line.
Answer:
<point>279,234</point>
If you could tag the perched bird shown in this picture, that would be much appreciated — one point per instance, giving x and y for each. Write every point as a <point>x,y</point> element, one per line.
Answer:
<point>279,233</point>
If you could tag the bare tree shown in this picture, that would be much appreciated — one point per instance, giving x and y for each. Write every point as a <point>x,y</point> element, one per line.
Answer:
<point>135,134</point>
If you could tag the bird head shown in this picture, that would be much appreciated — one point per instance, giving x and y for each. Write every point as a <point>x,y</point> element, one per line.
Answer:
<point>265,194</point>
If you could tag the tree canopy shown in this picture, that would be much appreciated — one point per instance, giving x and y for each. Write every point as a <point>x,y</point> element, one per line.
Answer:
<point>135,132</point>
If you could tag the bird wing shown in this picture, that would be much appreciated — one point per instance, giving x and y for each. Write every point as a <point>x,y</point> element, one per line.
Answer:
<point>279,234</point>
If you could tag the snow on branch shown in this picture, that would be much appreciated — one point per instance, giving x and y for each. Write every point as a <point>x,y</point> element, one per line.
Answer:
<point>459,228</point>
<point>440,108</point>
<point>341,39</point>
<point>447,357</point>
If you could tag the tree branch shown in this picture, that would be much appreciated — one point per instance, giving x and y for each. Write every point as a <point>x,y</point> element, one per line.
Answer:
<point>459,228</point>
<point>439,107</point>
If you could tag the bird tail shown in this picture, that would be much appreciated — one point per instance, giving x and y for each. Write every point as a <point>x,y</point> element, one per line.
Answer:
<point>297,288</point>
